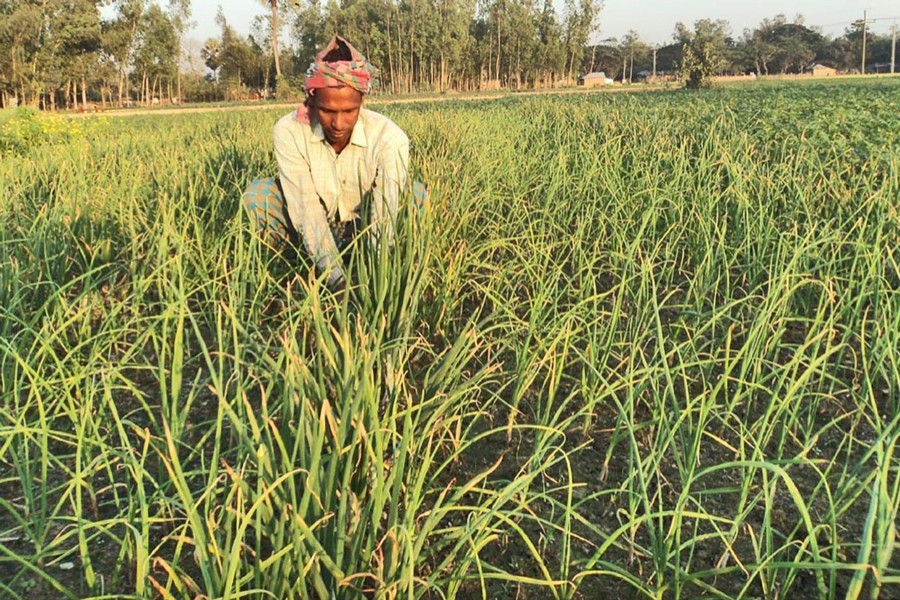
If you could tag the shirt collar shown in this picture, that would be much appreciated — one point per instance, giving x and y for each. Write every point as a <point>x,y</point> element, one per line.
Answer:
<point>358,137</point>
<point>317,132</point>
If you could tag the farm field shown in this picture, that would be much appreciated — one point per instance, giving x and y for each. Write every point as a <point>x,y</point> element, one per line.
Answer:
<point>637,346</point>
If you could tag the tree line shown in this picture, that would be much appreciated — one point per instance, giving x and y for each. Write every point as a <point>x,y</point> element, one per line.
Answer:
<point>74,53</point>
<point>62,53</point>
<point>777,46</point>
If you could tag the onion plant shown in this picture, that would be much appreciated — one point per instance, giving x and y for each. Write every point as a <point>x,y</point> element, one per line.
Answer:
<point>635,344</point>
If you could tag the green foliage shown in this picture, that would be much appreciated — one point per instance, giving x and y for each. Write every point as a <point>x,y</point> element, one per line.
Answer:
<point>418,45</point>
<point>25,128</point>
<point>697,66</point>
<point>653,353</point>
<point>154,55</point>
<point>705,51</point>
<point>284,91</point>
<point>777,46</point>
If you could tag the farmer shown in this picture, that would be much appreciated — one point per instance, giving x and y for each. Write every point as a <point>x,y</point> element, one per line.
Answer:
<point>335,160</point>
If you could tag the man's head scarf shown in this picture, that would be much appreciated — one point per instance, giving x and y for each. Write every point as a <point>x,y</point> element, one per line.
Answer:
<point>356,73</point>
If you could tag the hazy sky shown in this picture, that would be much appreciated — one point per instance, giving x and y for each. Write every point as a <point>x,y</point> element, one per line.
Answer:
<point>654,20</point>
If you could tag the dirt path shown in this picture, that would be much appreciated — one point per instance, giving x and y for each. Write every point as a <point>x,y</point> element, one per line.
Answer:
<point>374,101</point>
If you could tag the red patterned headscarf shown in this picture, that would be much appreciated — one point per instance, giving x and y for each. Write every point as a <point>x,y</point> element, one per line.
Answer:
<point>356,73</point>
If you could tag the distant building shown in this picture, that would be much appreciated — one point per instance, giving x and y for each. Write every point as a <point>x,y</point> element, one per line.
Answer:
<point>597,79</point>
<point>818,70</point>
<point>643,75</point>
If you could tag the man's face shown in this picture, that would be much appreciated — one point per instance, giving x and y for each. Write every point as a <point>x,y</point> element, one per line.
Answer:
<point>337,110</point>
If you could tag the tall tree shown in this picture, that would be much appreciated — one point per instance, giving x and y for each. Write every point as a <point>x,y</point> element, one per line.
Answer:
<point>238,60</point>
<point>79,31</point>
<point>156,53</point>
<point>759,46</point>
<point>180,17</point>
<point>846,50</point>
<point>797,46</point>
<point>707,50</point>
<point>581,19</point>
<point>260,32</point>
<point>21,24</point>
<point>550,53</point>
<point>308,32</point>
<point>632,48</point>
<point>120,38</point>
<point>777,45</point>
<point>273,5</point>
<point>211,52</point>
<point>67,42</point>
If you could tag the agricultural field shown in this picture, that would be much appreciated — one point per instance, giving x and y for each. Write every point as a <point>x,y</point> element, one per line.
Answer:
<point>636,346</point>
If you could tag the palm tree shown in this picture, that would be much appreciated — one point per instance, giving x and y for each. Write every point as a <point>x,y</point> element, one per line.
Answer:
<point>274,6</point>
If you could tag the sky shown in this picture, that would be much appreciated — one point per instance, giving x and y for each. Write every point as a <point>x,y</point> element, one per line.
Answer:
<point>654,20</point>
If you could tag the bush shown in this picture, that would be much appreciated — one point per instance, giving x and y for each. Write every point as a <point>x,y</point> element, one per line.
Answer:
<point>286,90</point>
<point>29,128</point>
<point>697,67</point>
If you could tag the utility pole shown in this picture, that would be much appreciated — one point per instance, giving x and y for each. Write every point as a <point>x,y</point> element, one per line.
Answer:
<point>863,70</point>
<point>893,48</point>
<point>655,48</point>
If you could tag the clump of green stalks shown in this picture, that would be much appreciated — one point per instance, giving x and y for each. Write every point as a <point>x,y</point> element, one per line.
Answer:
<point>644,345</point>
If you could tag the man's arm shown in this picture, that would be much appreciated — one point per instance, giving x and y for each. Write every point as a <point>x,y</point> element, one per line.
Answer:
<point>390,181</point>
<point>304,208</point>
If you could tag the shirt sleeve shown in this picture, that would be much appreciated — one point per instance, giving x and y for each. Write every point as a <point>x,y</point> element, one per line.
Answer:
<point>390,180</point>
<point>303,205</point>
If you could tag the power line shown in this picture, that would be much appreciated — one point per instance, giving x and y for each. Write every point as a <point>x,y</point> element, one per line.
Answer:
<point>864,23</point>
<point>825,26</point>
<point>847,23</point>
<point>838,24</point>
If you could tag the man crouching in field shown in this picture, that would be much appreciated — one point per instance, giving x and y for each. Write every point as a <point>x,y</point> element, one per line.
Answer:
<point>334,159</point>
